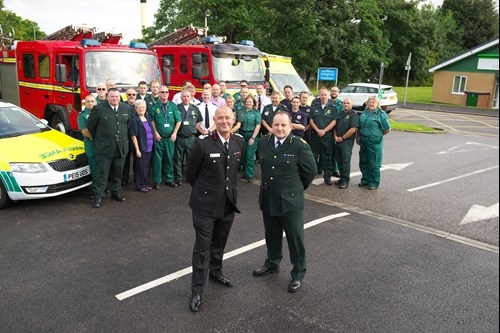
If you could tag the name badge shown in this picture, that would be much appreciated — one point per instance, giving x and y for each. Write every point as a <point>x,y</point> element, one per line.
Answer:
<point>166,125</point>
<point>215,155</point>
<point>185,122</point>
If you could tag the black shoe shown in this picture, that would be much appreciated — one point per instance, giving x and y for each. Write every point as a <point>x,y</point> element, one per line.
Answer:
<point>342,185</point>
<point>195,304</point>
<point>178,182</point>
<point>156,186</point>
<point>97,202</point>
<point>243,177</point>
<point>263,270</point>
<point>221,279</point>
<point>250,180</point>
<point>362,185</point>
<point>118,197</point>
<point>124,182</point>
<point>171,184</point>
<point>336,174</point>
<point>294,286</point>
<point>328,182</point>
<point>337,182</point>
<point>107,191</point>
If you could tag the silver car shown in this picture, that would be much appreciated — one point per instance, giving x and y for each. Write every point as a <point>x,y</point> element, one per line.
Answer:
<point>360,92</point>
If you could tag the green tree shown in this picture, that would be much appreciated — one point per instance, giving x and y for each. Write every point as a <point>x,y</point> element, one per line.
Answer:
<point>22,29</point>
<point>477,20</point>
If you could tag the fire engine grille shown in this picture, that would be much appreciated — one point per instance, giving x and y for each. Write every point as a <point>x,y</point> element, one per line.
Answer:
<point>66,164</point>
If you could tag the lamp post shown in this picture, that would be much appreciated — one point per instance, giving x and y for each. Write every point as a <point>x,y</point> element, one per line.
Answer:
<point>207,14</point>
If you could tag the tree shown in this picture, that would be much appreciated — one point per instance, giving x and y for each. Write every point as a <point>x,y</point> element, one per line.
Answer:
<point>477,19</point>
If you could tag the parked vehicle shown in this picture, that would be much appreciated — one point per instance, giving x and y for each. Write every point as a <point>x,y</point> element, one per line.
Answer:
<point>359,93</point>
<point>37,161</point>
<point>51,77</point>
<point>186,55</point>
<point>283,73</point>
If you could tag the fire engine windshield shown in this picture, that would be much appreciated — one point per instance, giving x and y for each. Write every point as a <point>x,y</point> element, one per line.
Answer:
<point>234,68</point>
<point>125,68</point>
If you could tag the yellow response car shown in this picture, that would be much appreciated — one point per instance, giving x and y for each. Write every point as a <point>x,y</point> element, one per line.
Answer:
<point>35,160</point>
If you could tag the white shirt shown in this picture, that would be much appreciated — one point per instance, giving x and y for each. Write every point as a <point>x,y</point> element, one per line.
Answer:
<point>211,113</point>
<point>264,100</point>
<point>177,98</point>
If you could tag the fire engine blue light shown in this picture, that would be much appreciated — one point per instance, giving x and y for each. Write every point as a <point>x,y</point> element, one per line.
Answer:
<point>89,42</point>
<point>247,42</point>
<point>212,40</point>
<point>137,45</point>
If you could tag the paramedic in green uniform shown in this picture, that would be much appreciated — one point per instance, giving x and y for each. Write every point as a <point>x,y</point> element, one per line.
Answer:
<point>250,128</point>
<point>191,124</point>
<point>88,142</point>
<point>344,134</point>
<point>166,122</point>
<point>288,168</point>
<point>339,105</point>
<point>322,119</point>
<point>373,125</point>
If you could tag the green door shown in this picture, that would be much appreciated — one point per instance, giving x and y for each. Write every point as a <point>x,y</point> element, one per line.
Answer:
<point>471,99</point>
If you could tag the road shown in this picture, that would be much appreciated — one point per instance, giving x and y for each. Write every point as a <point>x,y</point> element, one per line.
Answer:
<point>397,259</point>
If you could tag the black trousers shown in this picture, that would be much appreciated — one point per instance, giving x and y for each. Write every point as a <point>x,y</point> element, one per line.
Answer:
<point>208,251</point>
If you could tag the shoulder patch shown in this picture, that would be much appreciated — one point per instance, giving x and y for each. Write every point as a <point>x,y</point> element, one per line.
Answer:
<point>201,137</point>
<point>238,134</point>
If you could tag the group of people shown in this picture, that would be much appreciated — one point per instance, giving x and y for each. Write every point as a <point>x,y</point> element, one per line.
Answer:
<point>218,136</point>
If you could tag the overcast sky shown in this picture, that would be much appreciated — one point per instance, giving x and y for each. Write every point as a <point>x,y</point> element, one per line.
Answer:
<point>116,16</point>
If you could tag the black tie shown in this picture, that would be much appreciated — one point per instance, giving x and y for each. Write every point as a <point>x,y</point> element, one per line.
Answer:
<point>225,146</point>
<point>278,144</point>
<point>207,121</point>
<point>260,104</point>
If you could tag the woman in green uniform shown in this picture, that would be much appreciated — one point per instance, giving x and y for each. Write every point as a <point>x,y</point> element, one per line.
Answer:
<point>250,128</point>
<point>373,125</point>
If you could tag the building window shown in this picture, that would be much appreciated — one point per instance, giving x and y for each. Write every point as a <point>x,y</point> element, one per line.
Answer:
<point>459,84</point>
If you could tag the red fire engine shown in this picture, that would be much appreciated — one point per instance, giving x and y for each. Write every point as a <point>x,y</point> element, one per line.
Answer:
<point>50,77</point>
<point>186,55</point>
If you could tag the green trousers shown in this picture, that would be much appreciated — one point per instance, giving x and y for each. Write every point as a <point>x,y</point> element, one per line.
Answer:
<point>182,148</point>
<point>163,161</point>
<point>343,154</point>
<point>293,225</point>
<point>370,160</point>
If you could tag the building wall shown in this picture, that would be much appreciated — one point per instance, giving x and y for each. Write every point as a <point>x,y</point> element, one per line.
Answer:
<point>476,82</point>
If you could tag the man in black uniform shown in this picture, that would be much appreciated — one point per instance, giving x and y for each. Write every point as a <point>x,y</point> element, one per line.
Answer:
<point>288,168</point>
<point>108,125</point>
<point>212,171</point>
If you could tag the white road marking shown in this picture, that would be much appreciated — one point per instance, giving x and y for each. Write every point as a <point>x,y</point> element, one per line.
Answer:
<point>451,179</point>
<point>461,149</point>
<point>395,166</point>
<point>188,270</point>
<point>478,213</point>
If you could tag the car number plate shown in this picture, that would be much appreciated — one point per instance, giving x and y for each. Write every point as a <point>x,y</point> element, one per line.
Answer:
<point>77,174</point>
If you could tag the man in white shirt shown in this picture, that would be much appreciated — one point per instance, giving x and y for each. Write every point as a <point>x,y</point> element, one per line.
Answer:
<point>207,110</point>
<point>177,97</point>
<point>262,99</point>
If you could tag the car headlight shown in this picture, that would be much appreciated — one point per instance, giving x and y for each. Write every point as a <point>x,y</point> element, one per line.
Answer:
<point>28,167</point>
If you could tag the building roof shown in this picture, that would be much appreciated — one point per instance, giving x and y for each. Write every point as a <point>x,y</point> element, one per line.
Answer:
<point>463,55</point>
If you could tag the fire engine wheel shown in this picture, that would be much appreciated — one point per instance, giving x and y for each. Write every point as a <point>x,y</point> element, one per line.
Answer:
<point>4,197</point>
<point>58,124</point>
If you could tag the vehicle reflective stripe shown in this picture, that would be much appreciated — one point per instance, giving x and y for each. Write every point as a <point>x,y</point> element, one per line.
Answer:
<point>9,182</point>
<point>49,87</point>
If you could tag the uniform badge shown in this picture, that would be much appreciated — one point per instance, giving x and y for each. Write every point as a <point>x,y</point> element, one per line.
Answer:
<point>299,117</point>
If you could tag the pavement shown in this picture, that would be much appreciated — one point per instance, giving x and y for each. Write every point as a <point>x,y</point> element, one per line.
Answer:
<point>451,109</point>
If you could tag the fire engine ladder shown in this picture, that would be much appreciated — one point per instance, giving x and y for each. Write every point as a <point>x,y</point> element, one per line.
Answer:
<point>181,36</point>
<point>71,33</point>
<point>108,38</point>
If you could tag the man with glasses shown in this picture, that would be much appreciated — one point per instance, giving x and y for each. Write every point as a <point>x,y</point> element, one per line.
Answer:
<point>101,92</point>
<point>166,121</point>
<point>131,96</point>
<point>108,125</point>
<point>237,96</point>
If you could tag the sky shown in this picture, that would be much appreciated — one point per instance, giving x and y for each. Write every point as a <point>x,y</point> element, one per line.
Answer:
<point>110,16</point>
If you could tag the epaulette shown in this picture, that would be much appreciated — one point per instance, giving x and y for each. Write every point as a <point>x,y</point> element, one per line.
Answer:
<point>238,134</point>
<point>297,138</point>
<point>202,136</point>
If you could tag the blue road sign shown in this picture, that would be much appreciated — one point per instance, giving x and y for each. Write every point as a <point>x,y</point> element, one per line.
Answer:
<point>327,74</point>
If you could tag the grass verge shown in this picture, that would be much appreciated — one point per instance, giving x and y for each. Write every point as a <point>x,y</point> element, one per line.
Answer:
<point>414,128</point>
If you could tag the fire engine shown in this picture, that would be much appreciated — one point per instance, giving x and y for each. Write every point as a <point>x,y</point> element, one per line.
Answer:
<point>186,55</point>
<point>51,77</point>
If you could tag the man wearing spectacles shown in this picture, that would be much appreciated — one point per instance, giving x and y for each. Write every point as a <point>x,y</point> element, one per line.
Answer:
<point>237,96</point>
<point>166,121</point>
<point>101,92</point>
<point>131,95</point>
